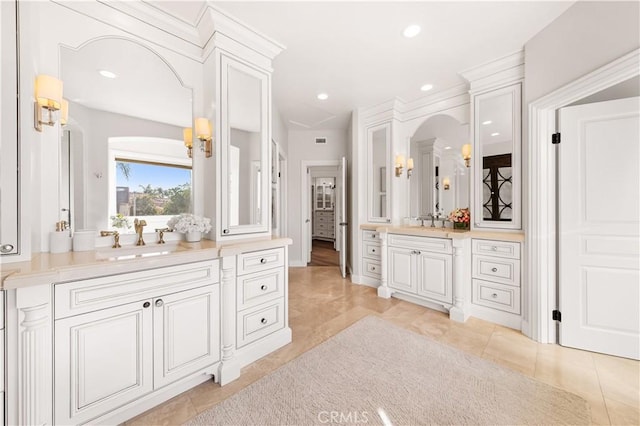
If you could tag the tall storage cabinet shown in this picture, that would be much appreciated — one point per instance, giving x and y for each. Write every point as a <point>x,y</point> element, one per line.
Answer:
<point>324,220</point>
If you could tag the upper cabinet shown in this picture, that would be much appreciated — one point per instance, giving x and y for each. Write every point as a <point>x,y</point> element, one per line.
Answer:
<point>378,173</point>
<point>244,148</point>
<point>496,98</point>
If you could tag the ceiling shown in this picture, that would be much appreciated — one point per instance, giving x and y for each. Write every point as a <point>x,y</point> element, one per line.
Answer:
<point>356,53</point>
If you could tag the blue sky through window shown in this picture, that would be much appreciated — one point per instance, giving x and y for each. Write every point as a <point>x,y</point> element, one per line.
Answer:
<point>164,177</point>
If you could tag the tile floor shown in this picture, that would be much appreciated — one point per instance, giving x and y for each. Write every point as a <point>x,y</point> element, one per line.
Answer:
<point>322,304</point>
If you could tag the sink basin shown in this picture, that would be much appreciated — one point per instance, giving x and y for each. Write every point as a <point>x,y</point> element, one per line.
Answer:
<point>132,252</point>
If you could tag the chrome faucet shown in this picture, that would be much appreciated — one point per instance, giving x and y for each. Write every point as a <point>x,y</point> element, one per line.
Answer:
<point>433,218</point>
<point>116,237</point>
<point>161,232</point>
<point>139,227</point>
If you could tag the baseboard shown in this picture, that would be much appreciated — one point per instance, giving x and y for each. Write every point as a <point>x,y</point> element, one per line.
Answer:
<point>145,403</point>
<point>368,281</point>
<point>297,264</point>
<point>263,347</point>
<point>503,318</point>
<point>416,300</point>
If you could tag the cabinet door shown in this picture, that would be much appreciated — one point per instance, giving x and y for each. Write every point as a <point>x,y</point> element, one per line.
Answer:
<point>103,360</point>
<point>401,269</point>
<point>434,276</point>
<point>186,328</point>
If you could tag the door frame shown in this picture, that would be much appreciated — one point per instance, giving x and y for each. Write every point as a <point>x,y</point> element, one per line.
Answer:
<point>541,265</point>
<point>305,205</point>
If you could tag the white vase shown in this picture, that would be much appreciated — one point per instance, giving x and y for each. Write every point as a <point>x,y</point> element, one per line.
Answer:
<point>193,237</point>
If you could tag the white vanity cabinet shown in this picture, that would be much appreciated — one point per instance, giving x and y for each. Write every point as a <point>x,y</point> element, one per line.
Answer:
<point>422,267</point>
<point>496,281</point>
<point>2,339</point>
<point>371,255</point>
<point>122,337</point>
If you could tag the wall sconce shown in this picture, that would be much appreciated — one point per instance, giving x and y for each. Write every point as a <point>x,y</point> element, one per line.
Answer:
<point>204,132</point>
<point>399,164</point>
<point>446,183</point>
<point>187,135</point>
<point>466,154</point>
<point>409,167</point>
<point>64,112</point>
<point>48,91</point>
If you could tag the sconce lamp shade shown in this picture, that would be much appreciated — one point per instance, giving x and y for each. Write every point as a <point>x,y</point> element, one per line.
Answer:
<point>64,112</point>
<point>203,129</point>
<point>466,151</point>
<point>187,135</point>
<point>49,92</point>
<point>400,161</point>
<point>446,183</point>
<point>410,163</point>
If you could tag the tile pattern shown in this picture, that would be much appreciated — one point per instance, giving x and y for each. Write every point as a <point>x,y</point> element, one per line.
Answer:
<point>322,304</point>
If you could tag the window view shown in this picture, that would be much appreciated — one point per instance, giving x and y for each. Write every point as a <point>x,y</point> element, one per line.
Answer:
<point>152,189</point>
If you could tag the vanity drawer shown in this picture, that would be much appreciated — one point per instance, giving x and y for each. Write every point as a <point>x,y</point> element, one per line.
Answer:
<point>371,268</point>
<point>79,297</point>
<point>258,322</point>
<point>372,250</point>
<point>260,260</point>
<point>321,226</point>
<point>261,287</point>
<point>496,248</point>
<point>505,271</point>
<point>434,245</point>
<point>497,296</point>
<point>370,236</point>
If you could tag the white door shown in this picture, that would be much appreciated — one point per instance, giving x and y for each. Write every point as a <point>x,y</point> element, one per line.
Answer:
<point>103,360</point>
<point>598,227</point>
<point>308,212</point>
<point>402,269</point>
<point>186,338</point>
<point>434,276</point>
<point>343,228</point>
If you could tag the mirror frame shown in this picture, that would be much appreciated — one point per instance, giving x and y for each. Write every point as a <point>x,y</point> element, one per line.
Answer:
<point>265,149</point>
<point>515,92</point>
<point>371,174</point>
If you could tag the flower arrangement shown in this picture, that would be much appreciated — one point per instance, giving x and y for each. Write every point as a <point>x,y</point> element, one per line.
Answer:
<point>461,218</point>
<point>120,221</point>
<point>187,222</point>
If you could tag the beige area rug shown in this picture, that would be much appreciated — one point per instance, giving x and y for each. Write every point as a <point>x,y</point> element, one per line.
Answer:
<point>375,372</point>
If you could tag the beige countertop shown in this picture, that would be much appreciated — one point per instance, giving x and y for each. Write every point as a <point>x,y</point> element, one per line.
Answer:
<point>426,231</point>
<point>47,268</point>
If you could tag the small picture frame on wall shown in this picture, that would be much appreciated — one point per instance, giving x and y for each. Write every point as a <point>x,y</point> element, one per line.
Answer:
<point>383,179</point>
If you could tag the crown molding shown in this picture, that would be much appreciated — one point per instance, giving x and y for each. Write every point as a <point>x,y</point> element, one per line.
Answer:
<point>502,71</point>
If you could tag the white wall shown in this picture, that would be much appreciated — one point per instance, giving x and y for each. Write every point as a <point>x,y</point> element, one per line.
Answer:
<point>302,147</point>
<point>587,36</point>
<point>279,131</point>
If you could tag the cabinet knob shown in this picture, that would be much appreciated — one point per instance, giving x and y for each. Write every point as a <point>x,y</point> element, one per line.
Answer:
<point>494,295</point>
<point>373,268</point>
<point>494,269</point>
<point>146,304</point>
<point>6,248</point>
<point>225,231</point>
<point>263,320</point>
<point>373,250</point>
<point>159,303</point>
<point>263,287</point>
<point>494,248</point>
<point>263,260</point>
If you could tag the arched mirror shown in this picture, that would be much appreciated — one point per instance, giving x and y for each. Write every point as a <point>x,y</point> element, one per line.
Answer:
<point>123,147</point>
<point>440,180</point>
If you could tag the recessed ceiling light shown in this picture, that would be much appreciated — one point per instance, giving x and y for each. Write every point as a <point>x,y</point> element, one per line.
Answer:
<point>495,134</point>
<point>411,31</point>
<point>426,87</point>
<point>323,96</point>
<point>447,147</point>
<point>487,122</point>
<point>107,74</point>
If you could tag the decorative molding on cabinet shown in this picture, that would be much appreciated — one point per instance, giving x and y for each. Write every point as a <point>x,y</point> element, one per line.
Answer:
<point>503,71</point>
<point>229,369</point>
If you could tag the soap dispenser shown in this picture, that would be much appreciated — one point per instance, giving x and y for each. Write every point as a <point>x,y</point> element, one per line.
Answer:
<point>60,240</point>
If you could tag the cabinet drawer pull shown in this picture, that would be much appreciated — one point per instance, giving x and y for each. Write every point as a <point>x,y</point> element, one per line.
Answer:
<point>494,248</point>
<point>373,250</point>
<point>263,287</point>
<point>146,304</point>
<point>494,295</point>
<point>373,268</point>
<point>263,261</point>
<point>159,303</point>
<point>6,248</point>
<point>494,269</point>
<point>263,320</point>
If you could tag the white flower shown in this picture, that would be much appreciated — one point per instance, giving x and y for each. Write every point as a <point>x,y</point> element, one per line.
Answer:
<point>188,222</point>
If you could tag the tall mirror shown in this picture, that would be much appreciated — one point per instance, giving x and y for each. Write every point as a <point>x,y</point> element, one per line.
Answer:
<point>378,153</point>
<point>123,150</point>
<point>440,180</point>
<point>497,159</point>
<point>245,145</point>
